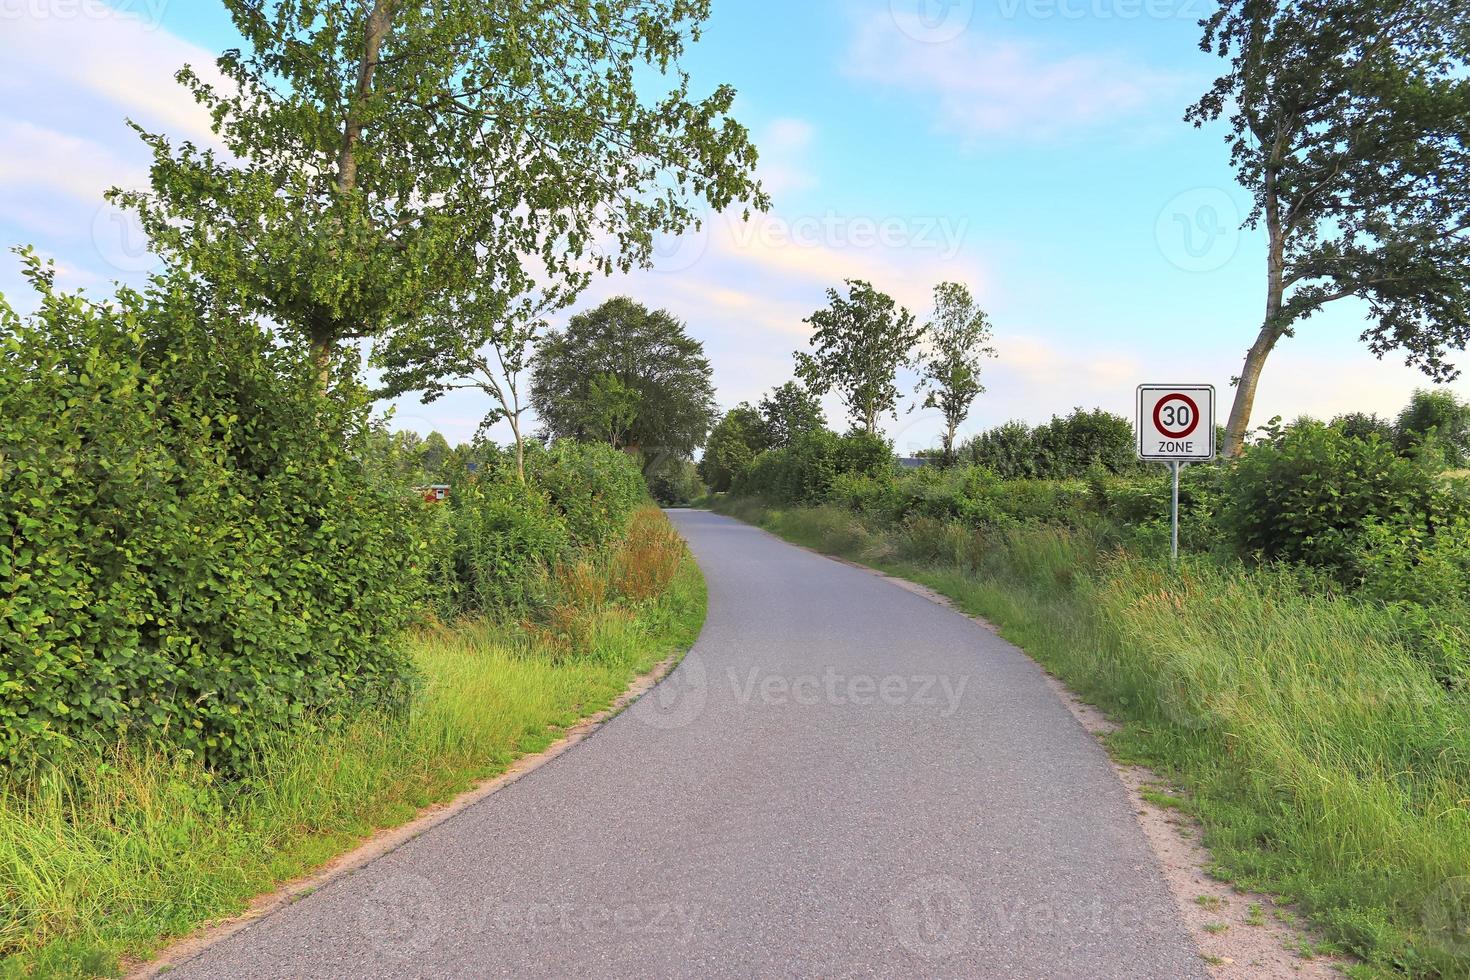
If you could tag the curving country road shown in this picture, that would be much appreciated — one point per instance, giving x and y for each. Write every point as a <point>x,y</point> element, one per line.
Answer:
<point>842,779</point>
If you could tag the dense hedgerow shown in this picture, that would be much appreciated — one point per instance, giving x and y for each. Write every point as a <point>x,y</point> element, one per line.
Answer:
<point>195,546</point>
<point>498,538</point>
<point>805,470</point>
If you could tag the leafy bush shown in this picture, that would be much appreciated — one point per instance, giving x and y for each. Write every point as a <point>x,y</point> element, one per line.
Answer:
<point>806,470</point>
<point>1362,425</point>
<point>194,546</point>
<point>1437,424</point>
<point>1008,450</point>
<point>1071,446</point>
<point>675,483</point>
<point>1068,447</point>
<point>595,487</point>
<point>507,536</point>
<point>1308,494</point>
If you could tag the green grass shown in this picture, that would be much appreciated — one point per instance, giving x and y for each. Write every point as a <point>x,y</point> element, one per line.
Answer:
<point>1326,763</point>
<point>103,860</point>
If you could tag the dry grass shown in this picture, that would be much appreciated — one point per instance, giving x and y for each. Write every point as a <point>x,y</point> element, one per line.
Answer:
<point>648,558</point>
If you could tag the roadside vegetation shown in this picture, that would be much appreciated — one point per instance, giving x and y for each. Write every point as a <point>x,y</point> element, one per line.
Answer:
<point>107,853</point>
<point>239,639</point>
<point>242,624</point>
<point>1302,672</point>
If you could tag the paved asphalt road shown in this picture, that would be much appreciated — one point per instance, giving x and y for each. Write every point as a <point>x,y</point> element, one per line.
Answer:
<point>842,779</point>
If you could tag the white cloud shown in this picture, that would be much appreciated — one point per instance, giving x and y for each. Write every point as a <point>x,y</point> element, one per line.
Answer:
<point>120,56</point>
<point>37,157</point>
<point>985,87</point>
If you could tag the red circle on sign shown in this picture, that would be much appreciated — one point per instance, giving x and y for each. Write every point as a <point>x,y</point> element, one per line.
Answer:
<point>1193,415</point>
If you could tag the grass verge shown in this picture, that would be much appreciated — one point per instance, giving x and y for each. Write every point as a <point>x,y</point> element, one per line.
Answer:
<point>1326,763</point>
<point>105,859</point>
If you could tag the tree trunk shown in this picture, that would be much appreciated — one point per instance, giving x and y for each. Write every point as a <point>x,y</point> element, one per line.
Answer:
<point>1271,328</point>
<point>379,22</point>
<point>515,429</point>
<point>323,343</point>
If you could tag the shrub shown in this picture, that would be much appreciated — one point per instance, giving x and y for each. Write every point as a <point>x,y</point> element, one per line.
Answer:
<point>507,536</point>
<point>805,471</point>
<point>1307,495</point>
<point>1068,447</point>
<point>194,546</point>
<point>1008,450</point>
<point>675,483</point>
<point>1362,425</point>
<point>1437,424</point>
<point>595,488</point>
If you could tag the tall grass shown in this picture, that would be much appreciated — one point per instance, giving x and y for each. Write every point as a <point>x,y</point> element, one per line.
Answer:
<point>105,856</point>
<point>1326,761</point>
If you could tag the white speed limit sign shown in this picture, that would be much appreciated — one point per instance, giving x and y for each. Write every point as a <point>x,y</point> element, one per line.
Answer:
<point>1176,423</point>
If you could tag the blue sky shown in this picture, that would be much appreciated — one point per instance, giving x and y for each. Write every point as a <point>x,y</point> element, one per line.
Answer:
<point>1033,149</point>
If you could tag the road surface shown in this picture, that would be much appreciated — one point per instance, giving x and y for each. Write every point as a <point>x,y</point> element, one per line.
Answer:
<point>842,779</point>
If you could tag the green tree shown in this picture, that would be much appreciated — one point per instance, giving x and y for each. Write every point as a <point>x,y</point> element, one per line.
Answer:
<point>789,412</point>
<point>859,343</point>
<point>959,339</point>
<point>1349,122</point>
<point>650,356</point>
<point>740,435</point>
<point>1435,422</point>
<point>434,454</point>
<point>484,348</point>
<point>610,409</point>
<point>387,158</point>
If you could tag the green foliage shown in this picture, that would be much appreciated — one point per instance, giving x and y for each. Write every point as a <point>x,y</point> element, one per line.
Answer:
<point>497,539</point>
<point>507,536</point>
<point>1008,450</point>
<point>805,470</point>
<point>1066,448</point>
<point>959,339</point>
<point>1435,424</point>
<point>389,162</point>
<point>858,345</point>
<point>1362,425</point>
<point>675,482</point>
<point>1307,495</point>
<point>627,375</point>
<point>789,411</point>
<point>195,548</point>
<point>733,444</point>
<point>594,487</point>
<point>1348,126</point>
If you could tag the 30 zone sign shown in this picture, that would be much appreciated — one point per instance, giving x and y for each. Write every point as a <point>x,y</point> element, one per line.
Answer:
<point>1176,423</point>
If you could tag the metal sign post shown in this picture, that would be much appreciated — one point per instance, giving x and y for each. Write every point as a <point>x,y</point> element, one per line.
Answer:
<point>1176,425</point>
